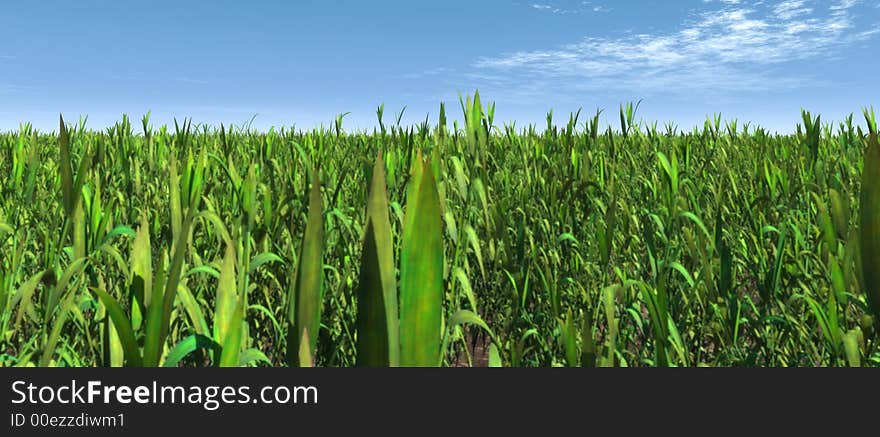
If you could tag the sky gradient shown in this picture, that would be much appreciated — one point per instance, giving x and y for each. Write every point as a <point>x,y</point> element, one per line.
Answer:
<point>301,63</point>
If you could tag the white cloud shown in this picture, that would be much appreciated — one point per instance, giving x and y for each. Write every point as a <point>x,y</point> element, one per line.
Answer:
<point>734,46</point>
<point>581,8</point>
<point>844,4</point>
<point>427,73</point>
<point>791,9</point>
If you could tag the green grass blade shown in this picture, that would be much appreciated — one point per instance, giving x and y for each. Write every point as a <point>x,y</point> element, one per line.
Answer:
<point>115,351</point>
<point>23,297</point>
<point>187,346</point>
<point>378,342</point>
<point>261,259</point>
<point>468,317</point>
<point>193,310</point>
<point>72,271</point>
<point>851,347</point>
<point>253,356</point>
<point>305,302</point>
<point>174,188</point>
<point>870,225</point>
<point>569,340</point>
<point>65,168</point>
<point>227,298</point>
<point>193,186</point>
<point>79,231</point>
<point>304,354</point>
<point>57,328</point>
<point>153,336</point>
<point>421,272</point>
<point>494,356</point>
<point>123,328</point>
<point>231,352</point>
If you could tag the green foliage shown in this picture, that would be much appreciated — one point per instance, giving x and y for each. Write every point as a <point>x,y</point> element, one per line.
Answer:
<point>463,244</point>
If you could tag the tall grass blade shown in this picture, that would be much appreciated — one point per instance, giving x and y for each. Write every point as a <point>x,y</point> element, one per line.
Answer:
<point>304,313</point>
<point>227,297</point>
<point>869,221</point>
<point>123,328</point>
<point>378,342</point>
<point>421,272</point>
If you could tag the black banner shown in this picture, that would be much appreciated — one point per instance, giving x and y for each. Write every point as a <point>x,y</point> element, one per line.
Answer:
<point>167,402</point>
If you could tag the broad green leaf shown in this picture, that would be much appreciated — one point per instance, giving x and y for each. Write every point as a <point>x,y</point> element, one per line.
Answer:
<point>870,225</point>
<point>378,342</point>
<point>253,356</point>
<point>494,356</point>
<point>57,327</point>
<point>73,270</point>
<point>179,250</point>
<point>851,347</point>
<point>264,258</point>
<point>79,232</point>
<point>839,213</point>
<point>306,299</point>
<point>153,336</point>
<point>474,241</point>
<point>465,283</point>
<point>421,272</point>
<point>468,317</point>
<point>231,352</point>
<point>226,300</point>
<point>117,231</point>
<point>205,270</point>
<point>174,188</point>
<point>114,344</point>
<point>304,354</point>
<point>193,310</point>
<point>569,340</point>
<point>23,296</point>
<point>187,346</point>
<point>123,328</point>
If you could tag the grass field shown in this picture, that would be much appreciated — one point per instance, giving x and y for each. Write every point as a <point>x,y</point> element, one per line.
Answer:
<point>567,245</point>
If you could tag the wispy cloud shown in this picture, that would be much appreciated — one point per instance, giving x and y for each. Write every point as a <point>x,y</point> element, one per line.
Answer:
<point>138,76</point>
<point>427,73</point>
<point>570,9</point>
<point>790,9</point>
<point>734,45</point>
<point>844,4</point>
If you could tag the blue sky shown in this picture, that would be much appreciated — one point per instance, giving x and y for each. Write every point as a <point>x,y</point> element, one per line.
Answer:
<point>303,62</point>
